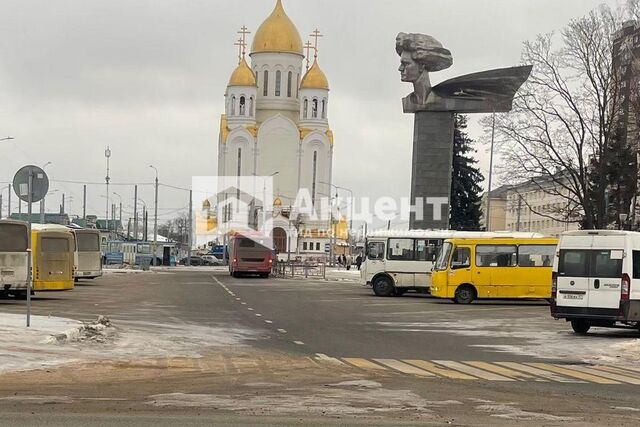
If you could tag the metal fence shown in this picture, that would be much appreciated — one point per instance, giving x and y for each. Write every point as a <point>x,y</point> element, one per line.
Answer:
<point>299,269</point>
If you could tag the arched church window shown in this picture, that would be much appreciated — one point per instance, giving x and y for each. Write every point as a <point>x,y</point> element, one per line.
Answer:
<point>251,106</point>
<point>305,106</point>
<point>233,105</point>
<point>324,108</point>
<point>297,84</point>
<point>278,75</point>
<point>265,83</point>
<point>242,105</point>
<point>314,109</point>
<point>289,81</point>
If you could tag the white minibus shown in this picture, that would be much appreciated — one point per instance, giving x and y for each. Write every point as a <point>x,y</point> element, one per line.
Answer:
<point>14,258</point>
<point>596,279</point>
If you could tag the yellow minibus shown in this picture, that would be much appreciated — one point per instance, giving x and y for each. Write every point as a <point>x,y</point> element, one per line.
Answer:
<point>52,253</point>
<point>469,269</point>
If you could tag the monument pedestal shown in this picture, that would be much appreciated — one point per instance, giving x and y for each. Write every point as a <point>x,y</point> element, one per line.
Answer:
<point>431,167</point>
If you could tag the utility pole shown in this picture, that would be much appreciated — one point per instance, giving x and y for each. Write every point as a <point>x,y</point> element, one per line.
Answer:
<point>519,210</point>
<point>135,212</point>
<point>62,203</point>
<point>155,218</point>
<point>84,202</point>
<point>190,227</point>
<point>9,207</point>
<point>107,155</point>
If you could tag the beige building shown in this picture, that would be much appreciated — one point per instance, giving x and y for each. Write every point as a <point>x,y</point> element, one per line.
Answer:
<point>539,208</point>
<point>498,205</point>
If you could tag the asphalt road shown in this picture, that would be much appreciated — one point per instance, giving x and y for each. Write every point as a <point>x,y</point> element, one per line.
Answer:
<point>469,363</point>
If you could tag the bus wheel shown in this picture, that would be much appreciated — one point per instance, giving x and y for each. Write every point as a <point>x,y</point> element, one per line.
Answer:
<point>465,294</point>
<point>580,326</point>
<point>383,287</point>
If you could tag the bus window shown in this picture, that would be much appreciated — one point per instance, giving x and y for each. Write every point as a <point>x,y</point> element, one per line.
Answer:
<point>496,255</point>
<point>461,258</point>
<point>13,238</point>
<point>375,250</point>
<point>400,250</point>
<point>87,242</point>
<point>427,250</point>
<point>536,255</point>
<point>54,244</point>
<point>443,259</point>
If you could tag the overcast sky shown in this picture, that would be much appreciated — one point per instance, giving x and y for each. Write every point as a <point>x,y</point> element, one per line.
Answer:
<point>147,78</point>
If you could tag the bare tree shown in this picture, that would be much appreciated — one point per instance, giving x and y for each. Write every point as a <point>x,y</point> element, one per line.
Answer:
<point>563,118</point>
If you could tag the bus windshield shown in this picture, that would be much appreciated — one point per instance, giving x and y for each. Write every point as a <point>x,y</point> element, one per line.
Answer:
<point>13,238</point>
<point>443,259</point>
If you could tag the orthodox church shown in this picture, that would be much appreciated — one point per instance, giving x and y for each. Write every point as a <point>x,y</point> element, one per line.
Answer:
<point>276,124</point>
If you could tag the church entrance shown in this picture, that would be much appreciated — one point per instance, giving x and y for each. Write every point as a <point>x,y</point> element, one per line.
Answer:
<point>279,237</point>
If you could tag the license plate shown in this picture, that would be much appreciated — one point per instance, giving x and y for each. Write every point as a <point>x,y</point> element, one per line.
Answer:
<point>573,296</point>
<point>7,273</point>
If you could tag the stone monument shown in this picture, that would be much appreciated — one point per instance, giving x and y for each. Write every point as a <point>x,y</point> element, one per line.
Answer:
<point>433,108</point>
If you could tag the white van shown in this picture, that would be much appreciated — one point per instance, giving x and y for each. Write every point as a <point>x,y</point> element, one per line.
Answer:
<point>596,279</point>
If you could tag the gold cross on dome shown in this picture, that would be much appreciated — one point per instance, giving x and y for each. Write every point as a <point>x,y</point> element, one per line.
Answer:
<point>243,36</point>
<point>316,35</point>
<point>308,47</point>
<point>240,45</point>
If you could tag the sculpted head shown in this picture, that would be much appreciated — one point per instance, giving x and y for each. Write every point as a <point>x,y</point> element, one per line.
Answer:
<point>420,53</point>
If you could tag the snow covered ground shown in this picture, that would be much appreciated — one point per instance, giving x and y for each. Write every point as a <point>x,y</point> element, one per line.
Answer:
<point>52,341</point>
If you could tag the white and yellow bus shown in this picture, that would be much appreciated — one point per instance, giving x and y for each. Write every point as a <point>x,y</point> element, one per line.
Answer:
<point>494,267</point>
<point>399,261</point>
<point>14,258</point>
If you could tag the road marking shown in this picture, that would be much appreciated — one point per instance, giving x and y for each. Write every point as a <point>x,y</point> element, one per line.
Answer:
<point>363,363</point>
<point>473,371</point>
<point>258,315</point>
<point>404,367</point>
<point>609,375</point>
<point>617,370</point>
<point>325,358</point>
<point>538,372</point>
<point>237,299</point>
<point>268,321</point>
<point>501,370</point>
<point>298,342</point>
<point>560,369</point>
<point>250,309</point>
<point>282,331</point>
<point>447,373</point>
<point>243,303</point>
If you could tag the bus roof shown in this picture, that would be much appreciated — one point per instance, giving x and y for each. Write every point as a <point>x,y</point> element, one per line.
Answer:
<point>505,240</point>
<point>14,222</point>
<point>450,234</point>
<point>600,233</point>
<point>50,227</point>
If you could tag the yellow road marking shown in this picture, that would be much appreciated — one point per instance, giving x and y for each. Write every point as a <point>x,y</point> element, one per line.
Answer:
<point>572,373</point>
<point>538,372</point>
<point>363,363</point>
<point>404,367</point>
<point>473,371</point>
<point>612,376</point>
<point>447,373</point>
<point>501,370</point>
<point>617,370</point>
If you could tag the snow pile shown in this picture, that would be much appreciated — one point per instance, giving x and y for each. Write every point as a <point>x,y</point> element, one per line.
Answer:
<point>52,341</point>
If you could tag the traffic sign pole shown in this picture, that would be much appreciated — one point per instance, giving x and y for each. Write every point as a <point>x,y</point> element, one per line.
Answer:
<point>30,275</point>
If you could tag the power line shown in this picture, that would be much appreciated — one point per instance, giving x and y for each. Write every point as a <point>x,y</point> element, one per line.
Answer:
<point>100,183</point>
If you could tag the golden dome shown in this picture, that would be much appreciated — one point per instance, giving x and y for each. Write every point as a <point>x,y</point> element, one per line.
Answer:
<point>277,201</point>
<point>277,34</point>
<point>315,78</point>
<point>242,75</point>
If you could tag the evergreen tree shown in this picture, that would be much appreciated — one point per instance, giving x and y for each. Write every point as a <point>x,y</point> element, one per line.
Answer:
<point>465,203</point>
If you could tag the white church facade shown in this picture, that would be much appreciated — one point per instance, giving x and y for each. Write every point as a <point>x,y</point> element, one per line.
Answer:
<point>276,124</point>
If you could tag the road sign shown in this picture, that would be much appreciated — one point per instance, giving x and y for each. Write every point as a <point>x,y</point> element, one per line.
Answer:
<point>39,186</point>
<point>327,248</point>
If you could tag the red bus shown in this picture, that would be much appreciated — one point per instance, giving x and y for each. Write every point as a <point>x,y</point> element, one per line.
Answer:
<point>250,253</point>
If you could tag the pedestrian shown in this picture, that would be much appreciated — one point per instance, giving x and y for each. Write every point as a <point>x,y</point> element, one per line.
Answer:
<point>344,260</point>
<point>359,261</point>
<point>349,262</point>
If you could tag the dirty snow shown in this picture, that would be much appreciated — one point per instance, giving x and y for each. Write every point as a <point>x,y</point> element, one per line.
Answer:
<point>510,411</point>
<point>347,398</point>
<point>537,337</point>
<point>52,341</point>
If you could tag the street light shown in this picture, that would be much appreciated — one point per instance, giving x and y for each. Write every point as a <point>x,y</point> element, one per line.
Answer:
<point>107,155</point>
<point>144,223</point>
<point>120,197</point>
<point>155,217</point>
<point>42,202</point>
<point>350,202</point>
<point>6,138</point>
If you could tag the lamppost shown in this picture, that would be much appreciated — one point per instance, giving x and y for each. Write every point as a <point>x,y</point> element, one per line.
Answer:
<point>120,197</point>
<point>144,222</point>
<point>42,202</point>
<point>337,187</point>
<point>107,155</point>
<point>9,187</point>
<point>155,217</point>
